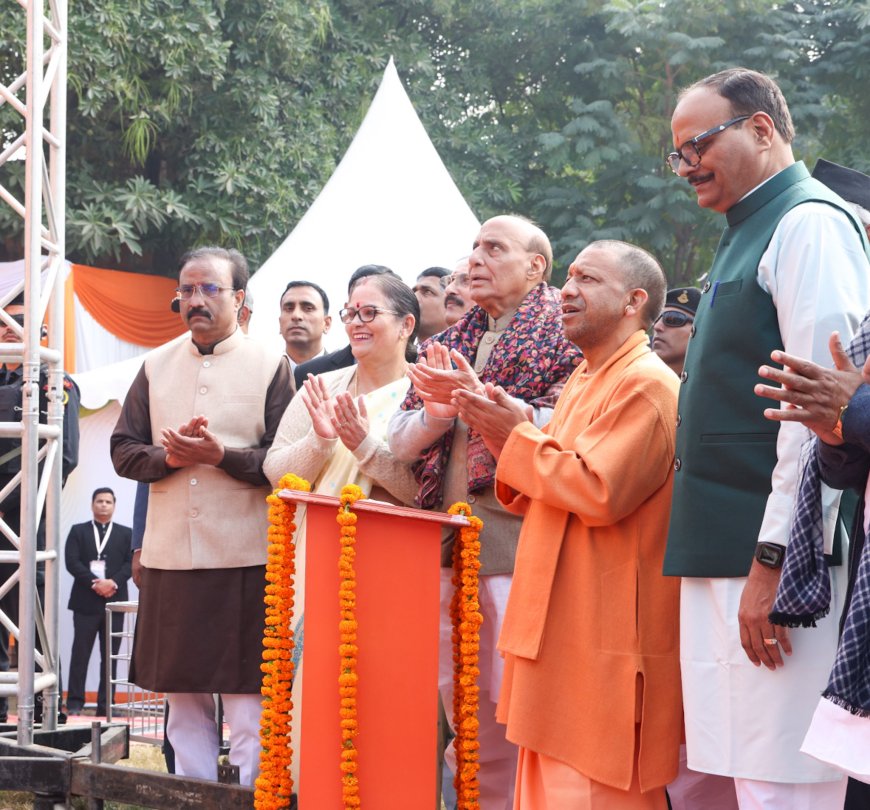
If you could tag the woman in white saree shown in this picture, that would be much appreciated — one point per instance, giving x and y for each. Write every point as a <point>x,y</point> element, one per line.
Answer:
<point>334,432</point>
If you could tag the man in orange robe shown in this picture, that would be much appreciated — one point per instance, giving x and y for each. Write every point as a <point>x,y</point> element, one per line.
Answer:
<point>591,690</point>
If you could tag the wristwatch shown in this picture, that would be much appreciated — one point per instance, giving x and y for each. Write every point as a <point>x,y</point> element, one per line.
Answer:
<point>838,428</point>
<point>770,554</point>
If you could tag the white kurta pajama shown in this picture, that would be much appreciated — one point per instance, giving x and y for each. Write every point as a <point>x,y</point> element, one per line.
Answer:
<point>729,702</point>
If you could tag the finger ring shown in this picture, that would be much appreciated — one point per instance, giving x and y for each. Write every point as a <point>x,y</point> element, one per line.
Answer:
<point>771,642</point>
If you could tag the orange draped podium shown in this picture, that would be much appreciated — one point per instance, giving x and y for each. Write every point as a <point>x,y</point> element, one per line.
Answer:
<point>397,565</point>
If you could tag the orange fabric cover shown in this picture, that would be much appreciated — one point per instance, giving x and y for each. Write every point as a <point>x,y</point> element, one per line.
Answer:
<point>397,567</point>
<point>544,783</point>
<point>591,632</point>
<point>132,306</point>
<point>69,326</point>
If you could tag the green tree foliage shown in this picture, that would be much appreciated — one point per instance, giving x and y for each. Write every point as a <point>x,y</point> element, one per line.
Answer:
<point>220,120</point>
<point>569,107</point>
<point>197,121</point>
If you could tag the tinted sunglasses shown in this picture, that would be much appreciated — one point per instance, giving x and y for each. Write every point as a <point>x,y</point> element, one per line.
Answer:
<point>674,319</point>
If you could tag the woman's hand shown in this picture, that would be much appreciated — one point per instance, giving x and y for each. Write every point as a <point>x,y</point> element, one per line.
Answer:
<point>350,420</point>
<point>320,407</point>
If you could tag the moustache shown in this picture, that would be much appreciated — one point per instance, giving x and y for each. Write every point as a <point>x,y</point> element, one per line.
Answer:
<point>201,311</point>
<point>450,298</point>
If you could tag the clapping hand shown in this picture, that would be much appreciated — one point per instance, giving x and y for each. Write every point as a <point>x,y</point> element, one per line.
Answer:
<point>192,444</point>
<point>320,408</point>
<point>350,420</point>
<point>493,414</point>
<point>339,417</point>
<point>435,379</point>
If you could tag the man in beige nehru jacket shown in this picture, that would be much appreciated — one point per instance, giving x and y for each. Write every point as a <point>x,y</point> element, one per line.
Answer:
<point>196,425</point>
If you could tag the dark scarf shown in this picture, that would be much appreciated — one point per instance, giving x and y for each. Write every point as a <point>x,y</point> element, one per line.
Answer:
<point>532,361</point>
<point>804,592</point>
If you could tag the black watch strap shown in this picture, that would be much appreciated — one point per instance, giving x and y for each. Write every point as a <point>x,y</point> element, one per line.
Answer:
<point>770,555</point>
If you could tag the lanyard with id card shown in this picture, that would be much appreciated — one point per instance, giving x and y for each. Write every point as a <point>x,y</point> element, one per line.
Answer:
<point>98,566</point>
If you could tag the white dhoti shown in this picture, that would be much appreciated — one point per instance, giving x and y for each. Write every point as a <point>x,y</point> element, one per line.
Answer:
<point>746,721</point>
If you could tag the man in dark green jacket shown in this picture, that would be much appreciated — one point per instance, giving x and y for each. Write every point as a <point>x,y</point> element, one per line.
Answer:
<point>791,267</point>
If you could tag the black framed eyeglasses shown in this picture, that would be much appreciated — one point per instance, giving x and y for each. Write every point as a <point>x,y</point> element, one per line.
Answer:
<point>689,152</point>
<point>185,291</point>
<point>674,319</point>
<point>365,314</point>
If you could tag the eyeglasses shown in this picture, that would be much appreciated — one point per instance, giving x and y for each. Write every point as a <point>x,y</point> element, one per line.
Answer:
<point>674,319</point>
<point>689,151</point>
<point>459,279</point>
<point>185,291</point>
<point>366,314</point>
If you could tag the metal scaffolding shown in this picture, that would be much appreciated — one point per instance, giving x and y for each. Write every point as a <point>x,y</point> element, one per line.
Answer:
<point>43,81</point>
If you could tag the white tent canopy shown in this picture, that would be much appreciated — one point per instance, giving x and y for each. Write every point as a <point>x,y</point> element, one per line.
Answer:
<point>390,201</point>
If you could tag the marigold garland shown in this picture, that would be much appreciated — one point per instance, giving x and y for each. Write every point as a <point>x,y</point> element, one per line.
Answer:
<point>467,620</point>
<point>348,678</point>
<point>274,785</point>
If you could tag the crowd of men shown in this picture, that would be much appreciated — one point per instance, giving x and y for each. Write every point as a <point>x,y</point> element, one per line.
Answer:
<point>650,634</point>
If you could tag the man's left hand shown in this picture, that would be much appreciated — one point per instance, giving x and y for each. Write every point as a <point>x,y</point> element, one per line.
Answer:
<point>185,451</point>
<point>756,602</point>
<point>194,427</point>
<point>492,414</point>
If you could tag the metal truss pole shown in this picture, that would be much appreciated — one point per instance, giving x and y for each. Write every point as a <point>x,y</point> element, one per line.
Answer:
<point>56,204</point>
<point>44,83</point>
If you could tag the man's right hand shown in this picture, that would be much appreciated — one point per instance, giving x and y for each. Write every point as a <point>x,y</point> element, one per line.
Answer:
<point>813,395</point>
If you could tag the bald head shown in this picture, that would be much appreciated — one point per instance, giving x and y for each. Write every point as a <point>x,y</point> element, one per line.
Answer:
<point>612,292</point>
<point>535,240</point>
<point>511,256</point>
<point>641,270</point>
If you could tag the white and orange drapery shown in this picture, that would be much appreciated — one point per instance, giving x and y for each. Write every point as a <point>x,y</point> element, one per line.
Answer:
<point>109,315</point>
<point>124,308</point>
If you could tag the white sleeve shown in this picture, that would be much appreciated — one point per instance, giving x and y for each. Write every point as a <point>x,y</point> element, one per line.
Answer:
<point>411,432</point>
<point>817,273</point>
<point>378,463</point>
<point>297,448</point>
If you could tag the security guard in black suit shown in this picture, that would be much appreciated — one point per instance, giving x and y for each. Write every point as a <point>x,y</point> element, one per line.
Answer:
<point>99,557</point>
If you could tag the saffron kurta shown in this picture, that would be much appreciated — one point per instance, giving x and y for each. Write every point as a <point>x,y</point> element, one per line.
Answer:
<point>592,626</point>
